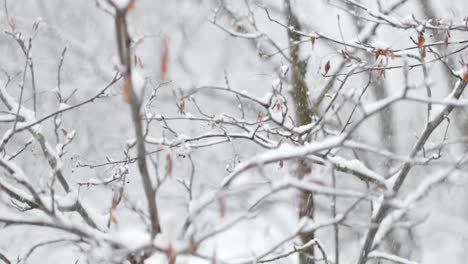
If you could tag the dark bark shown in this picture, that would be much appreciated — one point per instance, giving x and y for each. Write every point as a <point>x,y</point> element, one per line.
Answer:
<point>303,116</point>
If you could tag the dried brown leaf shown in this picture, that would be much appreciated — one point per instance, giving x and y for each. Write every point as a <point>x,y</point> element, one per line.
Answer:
<point>327,67</point>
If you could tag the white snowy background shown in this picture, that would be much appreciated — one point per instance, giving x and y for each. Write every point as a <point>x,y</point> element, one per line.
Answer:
<point>202,54</point>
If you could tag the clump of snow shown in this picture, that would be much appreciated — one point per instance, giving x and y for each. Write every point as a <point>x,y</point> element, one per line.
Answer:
<point>131,142</point>
<point>184,149</point>
<point>7,118</point>
<point>149,115</point>
<point>71,135</point>
<point>357,166</point>
<point>219,118</point>
<point>266,98</point>
<point>59,149</point>
<point>381,61</point>
<point>276,84</point>
<point>121,4</point>
<point>68,200</point>
<point>380,45</point>
<point>407,20</point>
<point>377,203</point>
<point>63,106</point>
<point>138,83</point>
<point>58,121</point>
<point>420,28</point>
<point>132,238</point>
<point>94,181</point>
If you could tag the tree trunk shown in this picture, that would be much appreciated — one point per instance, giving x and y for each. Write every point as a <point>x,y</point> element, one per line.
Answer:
<point>303,116</point>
